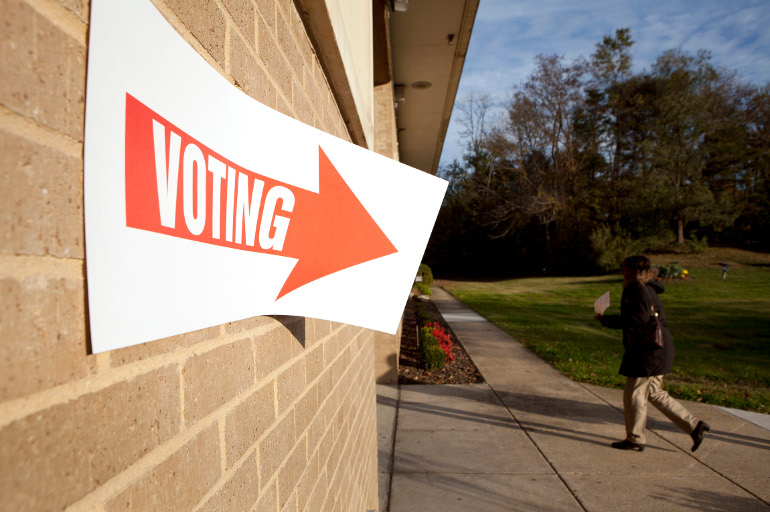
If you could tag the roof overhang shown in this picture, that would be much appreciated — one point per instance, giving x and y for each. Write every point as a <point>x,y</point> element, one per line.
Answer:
<point>428,46</point>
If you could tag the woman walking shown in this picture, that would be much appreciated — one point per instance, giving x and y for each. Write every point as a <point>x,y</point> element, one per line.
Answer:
<point>644,362</point>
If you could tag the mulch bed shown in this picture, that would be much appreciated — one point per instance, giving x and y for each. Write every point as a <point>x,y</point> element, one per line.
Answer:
<point>410,367</point>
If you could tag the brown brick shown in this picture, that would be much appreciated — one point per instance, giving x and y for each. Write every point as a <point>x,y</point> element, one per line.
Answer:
<point>53,457</point>
<point>247,324</point>
<point>42,335</point>
<point>268,51</point>
<point>315,432</point>
<point>316,498</point>
<point>291,505</point>
<point>283,107</point>
<point>41,199</point>
<point>266,9</point>
<point>291,384</point>
<point>275,348</point>
<point>325,447</point>
<point>315,362</point>
<point>313,94</point>
<point>213,378</point>
<point>284,36</point>
<point>249,74</point>
<point>290,473</point>
<point>300,35</point>
<point>43,70</point>
<point>301,105</point>
<point>337,370</point>
<point>268,502</point>
<point>295,326</point>
<point>179,482</point>
<point>247,422</point>
<point>163,346</point>
<point>315,331</point>
<point>240,492</point>
<point>242,12</point>
<point>306,409</point>
<point>79,7</point>
<point>307,482</point>
<point>206,21</point>
<point>274,448</point>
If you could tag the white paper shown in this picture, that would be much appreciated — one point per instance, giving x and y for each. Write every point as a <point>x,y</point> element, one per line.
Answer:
<point>144,286</point>
<point>602,303</point>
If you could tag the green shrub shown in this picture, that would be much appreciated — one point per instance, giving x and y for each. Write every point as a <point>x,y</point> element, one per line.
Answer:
<point>433,357</point>
<point>697,246</point>
<point>427,339</point>
<point>670,271</point>
<point>423,288</point>
<point>421,313</point>
<point>611,248</point>
<point>426,273</point>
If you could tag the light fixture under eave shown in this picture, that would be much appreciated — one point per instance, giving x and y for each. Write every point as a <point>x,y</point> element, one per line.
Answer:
<point>422,84</point>
<point>400,5</point>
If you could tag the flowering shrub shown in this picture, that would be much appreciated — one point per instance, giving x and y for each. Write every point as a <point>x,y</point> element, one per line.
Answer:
<point>441,337</point>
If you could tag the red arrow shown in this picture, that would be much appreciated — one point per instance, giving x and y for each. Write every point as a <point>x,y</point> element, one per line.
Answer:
<point>332,231</point>
<point>172,181</point>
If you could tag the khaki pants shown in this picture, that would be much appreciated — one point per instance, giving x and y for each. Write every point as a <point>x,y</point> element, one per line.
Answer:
<point>640,390</point>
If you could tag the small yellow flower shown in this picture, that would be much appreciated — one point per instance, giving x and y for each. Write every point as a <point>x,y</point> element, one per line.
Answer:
<point>684,272</point>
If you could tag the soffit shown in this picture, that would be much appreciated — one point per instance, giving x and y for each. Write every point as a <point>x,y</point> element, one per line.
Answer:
<point>421,52</point>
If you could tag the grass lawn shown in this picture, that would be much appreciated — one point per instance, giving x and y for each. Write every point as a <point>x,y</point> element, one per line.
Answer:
<point>721,328</point>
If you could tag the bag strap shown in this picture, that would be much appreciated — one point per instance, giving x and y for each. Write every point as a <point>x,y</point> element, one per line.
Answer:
<point>648,298</point>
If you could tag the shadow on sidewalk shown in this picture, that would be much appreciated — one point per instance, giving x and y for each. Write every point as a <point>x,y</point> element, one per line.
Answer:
<point>705,501</point>
<point>455,488</point>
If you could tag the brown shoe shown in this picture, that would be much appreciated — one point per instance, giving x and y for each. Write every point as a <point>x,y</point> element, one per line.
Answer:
<point>628,445</point>
<point>697,434</point>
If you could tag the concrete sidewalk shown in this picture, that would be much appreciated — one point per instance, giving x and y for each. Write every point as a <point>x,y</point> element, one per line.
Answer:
<point>531,439</point>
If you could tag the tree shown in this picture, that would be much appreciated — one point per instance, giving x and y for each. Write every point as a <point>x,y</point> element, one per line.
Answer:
<point>608,96</point>
<point>675,147</point>
<point>590,159</point>
<point>534,152</point>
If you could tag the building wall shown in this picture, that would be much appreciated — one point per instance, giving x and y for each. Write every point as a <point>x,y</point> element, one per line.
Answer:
<point>385,131</point>
<point>268,413</point>
<point>387,346</point>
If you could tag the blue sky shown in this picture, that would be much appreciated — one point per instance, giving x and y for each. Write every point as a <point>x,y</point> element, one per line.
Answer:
<point>508,34</point>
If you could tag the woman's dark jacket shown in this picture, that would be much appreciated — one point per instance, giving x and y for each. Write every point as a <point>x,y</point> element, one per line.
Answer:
<point>638,360</point>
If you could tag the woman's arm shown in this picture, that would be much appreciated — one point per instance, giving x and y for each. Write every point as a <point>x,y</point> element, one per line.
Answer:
<point>611,321</point>
<point>634,310</point>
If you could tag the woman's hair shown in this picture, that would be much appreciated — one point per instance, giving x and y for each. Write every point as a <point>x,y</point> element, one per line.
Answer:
<point>640,265</point>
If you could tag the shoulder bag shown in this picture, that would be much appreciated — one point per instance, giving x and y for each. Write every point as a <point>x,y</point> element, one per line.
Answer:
<point>650,335</point>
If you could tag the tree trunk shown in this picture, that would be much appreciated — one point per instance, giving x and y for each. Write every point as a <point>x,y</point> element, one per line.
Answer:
<point>680,232</point>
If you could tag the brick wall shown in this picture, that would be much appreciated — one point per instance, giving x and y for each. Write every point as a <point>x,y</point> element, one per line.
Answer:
<point>385,132</point>
<point>268,413</point>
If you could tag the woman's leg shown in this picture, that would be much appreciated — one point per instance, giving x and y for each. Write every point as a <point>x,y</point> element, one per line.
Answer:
<point>673,410</point>
<point>635,408</point>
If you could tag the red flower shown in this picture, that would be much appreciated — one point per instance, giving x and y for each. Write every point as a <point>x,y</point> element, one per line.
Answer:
<point>444,339</point>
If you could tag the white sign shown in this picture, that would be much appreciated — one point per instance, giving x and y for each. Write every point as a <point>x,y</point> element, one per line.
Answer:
<point>203,206</point>
<point>602,303</point>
